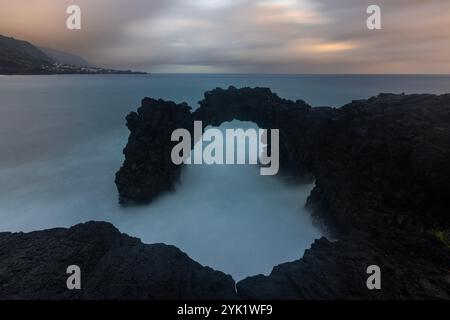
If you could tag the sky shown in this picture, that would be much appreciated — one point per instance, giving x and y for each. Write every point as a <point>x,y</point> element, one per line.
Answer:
<point>241,36</point>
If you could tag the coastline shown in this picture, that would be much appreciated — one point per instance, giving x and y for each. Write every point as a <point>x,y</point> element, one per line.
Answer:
<point>402,227</point>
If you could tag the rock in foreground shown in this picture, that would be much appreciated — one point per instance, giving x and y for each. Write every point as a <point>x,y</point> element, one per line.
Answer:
<point>113,266</point>
<point>116,266</point>
<point>413,266</point>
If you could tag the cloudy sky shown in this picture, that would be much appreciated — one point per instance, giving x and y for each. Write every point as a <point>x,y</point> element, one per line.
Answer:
<point>242,36</point>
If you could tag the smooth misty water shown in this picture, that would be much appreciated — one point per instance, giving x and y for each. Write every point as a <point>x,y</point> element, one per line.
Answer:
<point>60,144</point>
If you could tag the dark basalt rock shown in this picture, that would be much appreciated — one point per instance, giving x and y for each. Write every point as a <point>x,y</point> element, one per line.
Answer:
<point>413,266</point>
<point>297,121</point>
<point>380,167</point>
<point>381,161</point>
<point>113,266</point>
<point>148,169</point>
<point>116,266</point>
<point>385,163</point>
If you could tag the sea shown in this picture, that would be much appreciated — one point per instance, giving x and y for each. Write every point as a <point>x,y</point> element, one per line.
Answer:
<point>61,142</point>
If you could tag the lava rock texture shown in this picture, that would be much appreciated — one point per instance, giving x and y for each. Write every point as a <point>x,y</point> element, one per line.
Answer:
<point>413,266</point>
<point>381,161</point>
<point>148,169</point>
<point>384,161</point>
<point>113,266</point>
<point>116,266</point>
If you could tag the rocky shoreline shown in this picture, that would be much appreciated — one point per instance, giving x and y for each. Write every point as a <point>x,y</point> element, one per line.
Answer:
<point>113,266</point>
<point>376,162</point>
<point>117,266</point>
<point>382,186</point>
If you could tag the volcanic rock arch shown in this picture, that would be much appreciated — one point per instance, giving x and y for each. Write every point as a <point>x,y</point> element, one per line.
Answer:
<point>381,161</point>
<point>148,169</point>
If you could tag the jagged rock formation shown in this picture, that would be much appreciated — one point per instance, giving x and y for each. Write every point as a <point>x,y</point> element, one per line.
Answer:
<point>259,105</point>
<point>116,266</point>
<point>413,266</point>
<point>384,161</point>
<point>381,161</point>
<point>297,121</point>
<point>113,266</point>
<point>148,169</point>
<point>382,185</point>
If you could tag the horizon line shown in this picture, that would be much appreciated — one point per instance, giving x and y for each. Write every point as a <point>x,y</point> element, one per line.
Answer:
<point>148,73</point>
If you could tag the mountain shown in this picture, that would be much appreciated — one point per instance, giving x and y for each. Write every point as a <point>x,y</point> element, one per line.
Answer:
<point>65,57</point>
<point>22,57</point>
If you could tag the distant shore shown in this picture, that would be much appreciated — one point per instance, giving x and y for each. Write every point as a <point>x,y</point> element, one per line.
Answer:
<point>68,70</point>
